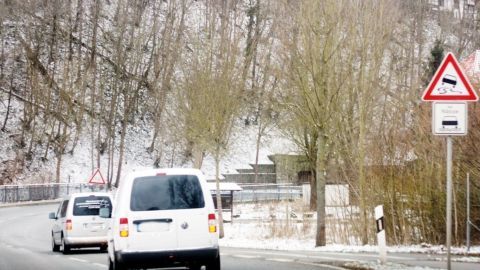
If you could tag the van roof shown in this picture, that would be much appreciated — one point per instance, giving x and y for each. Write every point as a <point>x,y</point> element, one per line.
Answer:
<point>168,171</point>
<point>86,194</point>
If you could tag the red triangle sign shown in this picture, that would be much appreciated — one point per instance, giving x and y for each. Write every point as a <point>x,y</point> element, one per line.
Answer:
<point>97,178</point>
<point>449,83</point>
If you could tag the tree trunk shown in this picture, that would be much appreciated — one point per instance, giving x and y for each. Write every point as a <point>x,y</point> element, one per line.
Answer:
<point>219,198</point>
<point>321,182</point>
<point>313,191</point>
<point>257,152</point>
<point>197,154</point>
<point>8,106</point>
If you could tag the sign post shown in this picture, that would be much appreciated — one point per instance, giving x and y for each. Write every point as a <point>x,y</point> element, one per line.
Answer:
<point>450,89</point>
<point>449,200</point>
<point>381,239</point>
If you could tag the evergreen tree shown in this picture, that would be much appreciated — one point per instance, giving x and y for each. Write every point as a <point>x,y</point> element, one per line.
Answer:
<point>436,57</point>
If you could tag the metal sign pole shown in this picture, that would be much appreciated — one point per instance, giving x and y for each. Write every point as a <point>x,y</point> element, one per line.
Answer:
<point>468,212</point>
<point>449,200</point>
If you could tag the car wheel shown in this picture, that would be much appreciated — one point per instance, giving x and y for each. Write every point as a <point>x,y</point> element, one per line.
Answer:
<point>214,264</point>
<point>65,247</point>
<point>55,247</point>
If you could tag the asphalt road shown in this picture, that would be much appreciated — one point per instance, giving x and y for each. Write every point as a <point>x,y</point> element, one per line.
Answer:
<point>25,244</point>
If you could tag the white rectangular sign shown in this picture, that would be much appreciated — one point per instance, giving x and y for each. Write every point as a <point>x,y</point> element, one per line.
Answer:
<point>449,118</point>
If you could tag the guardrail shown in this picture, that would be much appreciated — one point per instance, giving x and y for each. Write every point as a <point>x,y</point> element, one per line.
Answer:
<point>39,192</point>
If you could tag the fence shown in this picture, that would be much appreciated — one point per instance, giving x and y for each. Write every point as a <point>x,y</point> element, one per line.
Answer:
<point>267,192</point>
<point>50,191</point>
<point>38,192</point>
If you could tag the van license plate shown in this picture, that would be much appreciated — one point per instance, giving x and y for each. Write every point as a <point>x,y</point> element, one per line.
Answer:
<point>152,226</point>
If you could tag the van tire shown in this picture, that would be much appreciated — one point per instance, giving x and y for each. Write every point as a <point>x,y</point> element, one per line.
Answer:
<point>214,264</point>
<point>115,265</point>
<point>65,247</point>
<point>55,247</point>
<point>110,264</point>
<point>195,267</point>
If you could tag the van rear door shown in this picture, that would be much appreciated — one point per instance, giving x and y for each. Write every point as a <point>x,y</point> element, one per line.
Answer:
<point>85,221</point>
<point>165,211</point>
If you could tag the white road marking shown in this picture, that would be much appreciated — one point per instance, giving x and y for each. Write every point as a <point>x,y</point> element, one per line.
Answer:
<point>375,256</point>
<point>303,256</point>
<point>280,260</point>
<point>323,265</point>
<point>247,257</point>
<point>78,260</point>
<point>100,265</point>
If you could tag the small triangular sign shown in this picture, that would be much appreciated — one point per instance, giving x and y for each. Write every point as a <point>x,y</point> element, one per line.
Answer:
<point>97,178</point>
<point>449,83</point>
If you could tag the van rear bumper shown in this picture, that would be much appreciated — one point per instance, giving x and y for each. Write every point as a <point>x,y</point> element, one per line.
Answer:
<point>90,241</point>
<point>167,258</point>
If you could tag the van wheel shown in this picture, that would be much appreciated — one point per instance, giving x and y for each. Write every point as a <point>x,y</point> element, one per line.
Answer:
<point>110,264</point>
<point>115,265</point>
<point>195,267</point>
<point>55,247</point>
<point>214,264</point>
<point>65,247</point>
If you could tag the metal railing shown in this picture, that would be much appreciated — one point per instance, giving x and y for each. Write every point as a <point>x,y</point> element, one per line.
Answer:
<point>267,192</point>
<point>50,191</point>
<point>39,192</point>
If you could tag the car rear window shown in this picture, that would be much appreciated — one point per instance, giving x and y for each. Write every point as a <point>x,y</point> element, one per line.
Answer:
<point>90,205</point>
<point>166,192</point>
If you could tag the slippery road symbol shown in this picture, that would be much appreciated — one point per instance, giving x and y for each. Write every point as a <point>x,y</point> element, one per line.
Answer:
<point>448,85</point>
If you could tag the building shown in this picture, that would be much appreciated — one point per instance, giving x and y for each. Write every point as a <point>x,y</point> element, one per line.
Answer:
<point>460,8</point>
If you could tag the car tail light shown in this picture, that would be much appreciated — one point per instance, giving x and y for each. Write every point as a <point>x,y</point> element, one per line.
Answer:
<point>123,227</point>
<point>68,225</point>
<point>212,223</point>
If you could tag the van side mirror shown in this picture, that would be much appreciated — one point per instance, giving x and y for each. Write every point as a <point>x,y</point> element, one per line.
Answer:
<point>52,215</point>
<point>105,213</point>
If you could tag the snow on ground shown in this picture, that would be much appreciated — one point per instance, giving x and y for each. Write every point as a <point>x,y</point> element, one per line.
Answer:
<point>264,225</point>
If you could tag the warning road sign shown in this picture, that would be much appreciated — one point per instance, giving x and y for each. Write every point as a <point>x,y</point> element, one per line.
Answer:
<point>97,178</point>
<point>449,83</point>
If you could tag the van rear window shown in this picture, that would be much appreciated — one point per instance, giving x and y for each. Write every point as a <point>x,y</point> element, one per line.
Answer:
<point>166,192</point>
<point>90,205</point>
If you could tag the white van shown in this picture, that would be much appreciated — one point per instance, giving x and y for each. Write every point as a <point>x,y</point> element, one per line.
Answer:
<point>77,223</point>
<point>163,218</point>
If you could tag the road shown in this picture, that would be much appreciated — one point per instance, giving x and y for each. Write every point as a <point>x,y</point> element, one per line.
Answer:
<point>25,244</point>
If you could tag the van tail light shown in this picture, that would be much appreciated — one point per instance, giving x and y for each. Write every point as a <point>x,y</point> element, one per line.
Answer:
<point>212,223</point>
<point>68,225</point>
<point>123,227</point>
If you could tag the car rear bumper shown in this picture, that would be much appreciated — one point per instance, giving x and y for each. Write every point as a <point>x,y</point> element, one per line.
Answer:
<point>167,258</point>
<point>86,241</point>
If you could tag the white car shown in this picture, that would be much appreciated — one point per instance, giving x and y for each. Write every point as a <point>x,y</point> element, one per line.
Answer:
<point>77,223</point>
<point>163,218</point>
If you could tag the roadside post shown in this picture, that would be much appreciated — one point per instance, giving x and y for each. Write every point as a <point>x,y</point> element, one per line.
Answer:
<point>381,238</point>
<point>450,91</point>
